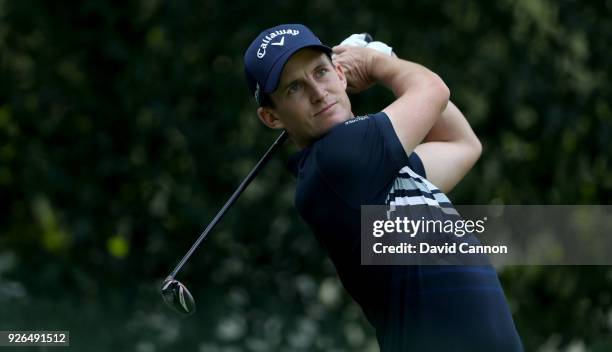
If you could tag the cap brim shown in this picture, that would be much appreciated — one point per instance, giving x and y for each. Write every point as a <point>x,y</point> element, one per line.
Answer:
<point>277,70</point>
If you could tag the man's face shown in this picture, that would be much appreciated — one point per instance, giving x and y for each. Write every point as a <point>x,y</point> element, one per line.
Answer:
<point>310,99</point>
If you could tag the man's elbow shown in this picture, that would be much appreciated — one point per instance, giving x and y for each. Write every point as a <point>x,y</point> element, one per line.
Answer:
<point>476,149</point>
<point>471,152</point>
<point>441,91</point>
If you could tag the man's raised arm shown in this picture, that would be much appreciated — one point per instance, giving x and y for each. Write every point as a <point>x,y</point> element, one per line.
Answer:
<point>421,95</point>
<point>422,116</point>
<point>449,150</point>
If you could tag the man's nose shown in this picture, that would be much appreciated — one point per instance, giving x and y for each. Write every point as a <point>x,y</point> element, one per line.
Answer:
<point>318,92</point>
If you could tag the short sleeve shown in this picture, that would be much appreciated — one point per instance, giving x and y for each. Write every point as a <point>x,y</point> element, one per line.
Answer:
<point>360,158</point>
<point>415,163</point>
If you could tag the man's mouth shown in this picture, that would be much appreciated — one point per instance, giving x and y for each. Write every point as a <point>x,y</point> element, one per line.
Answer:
<point>325,109</point>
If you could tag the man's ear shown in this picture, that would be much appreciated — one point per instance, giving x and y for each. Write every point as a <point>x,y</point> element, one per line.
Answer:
<point>269,118</point>
<point>341,75</point>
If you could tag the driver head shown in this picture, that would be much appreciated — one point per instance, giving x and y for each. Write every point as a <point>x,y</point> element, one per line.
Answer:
<point>177,296</point>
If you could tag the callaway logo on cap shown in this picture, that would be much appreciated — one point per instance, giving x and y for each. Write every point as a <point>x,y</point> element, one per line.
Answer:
<point>261,52</point>
<point>267,55</point>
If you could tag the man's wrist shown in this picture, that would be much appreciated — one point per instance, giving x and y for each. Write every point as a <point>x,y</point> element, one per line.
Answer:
<point>377,61</point>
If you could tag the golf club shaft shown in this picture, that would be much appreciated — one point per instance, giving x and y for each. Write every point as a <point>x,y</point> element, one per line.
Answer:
<point>262,162</point>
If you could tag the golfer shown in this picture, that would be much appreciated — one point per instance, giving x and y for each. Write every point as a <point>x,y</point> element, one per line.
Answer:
<point>410,153</point>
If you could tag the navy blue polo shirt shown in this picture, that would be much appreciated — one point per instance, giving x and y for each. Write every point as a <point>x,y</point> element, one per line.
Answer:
<point>424,308</point>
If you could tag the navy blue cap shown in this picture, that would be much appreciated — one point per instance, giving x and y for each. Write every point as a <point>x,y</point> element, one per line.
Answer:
<point>267,55</point>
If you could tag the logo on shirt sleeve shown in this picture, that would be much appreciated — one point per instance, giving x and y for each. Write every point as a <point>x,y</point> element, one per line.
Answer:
<point>356,119</point>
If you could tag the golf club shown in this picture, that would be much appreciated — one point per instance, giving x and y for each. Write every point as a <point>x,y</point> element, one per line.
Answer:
<point>174,293</point>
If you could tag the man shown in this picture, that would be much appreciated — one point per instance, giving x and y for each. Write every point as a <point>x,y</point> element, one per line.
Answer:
<point>412,152</point>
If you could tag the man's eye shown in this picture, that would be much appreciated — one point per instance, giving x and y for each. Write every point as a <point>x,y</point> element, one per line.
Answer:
<point>294,88</point>
<point>322,72</point>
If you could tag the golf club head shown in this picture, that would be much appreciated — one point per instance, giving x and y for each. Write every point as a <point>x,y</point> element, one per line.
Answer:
<point>177,296</point>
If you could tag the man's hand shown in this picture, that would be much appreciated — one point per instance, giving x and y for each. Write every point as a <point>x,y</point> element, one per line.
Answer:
<point>356,63</point>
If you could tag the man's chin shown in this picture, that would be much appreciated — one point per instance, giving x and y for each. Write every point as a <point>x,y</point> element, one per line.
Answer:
<point>340,118</point>
<point>332,122</point>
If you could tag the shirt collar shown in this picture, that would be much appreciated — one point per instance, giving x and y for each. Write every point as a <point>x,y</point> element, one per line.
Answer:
<point>294,162</point>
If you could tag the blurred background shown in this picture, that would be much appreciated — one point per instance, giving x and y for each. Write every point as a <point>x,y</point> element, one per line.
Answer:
<point>124,126</point>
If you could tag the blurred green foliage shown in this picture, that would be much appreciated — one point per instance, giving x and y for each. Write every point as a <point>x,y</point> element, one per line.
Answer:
<point>125,125</point>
